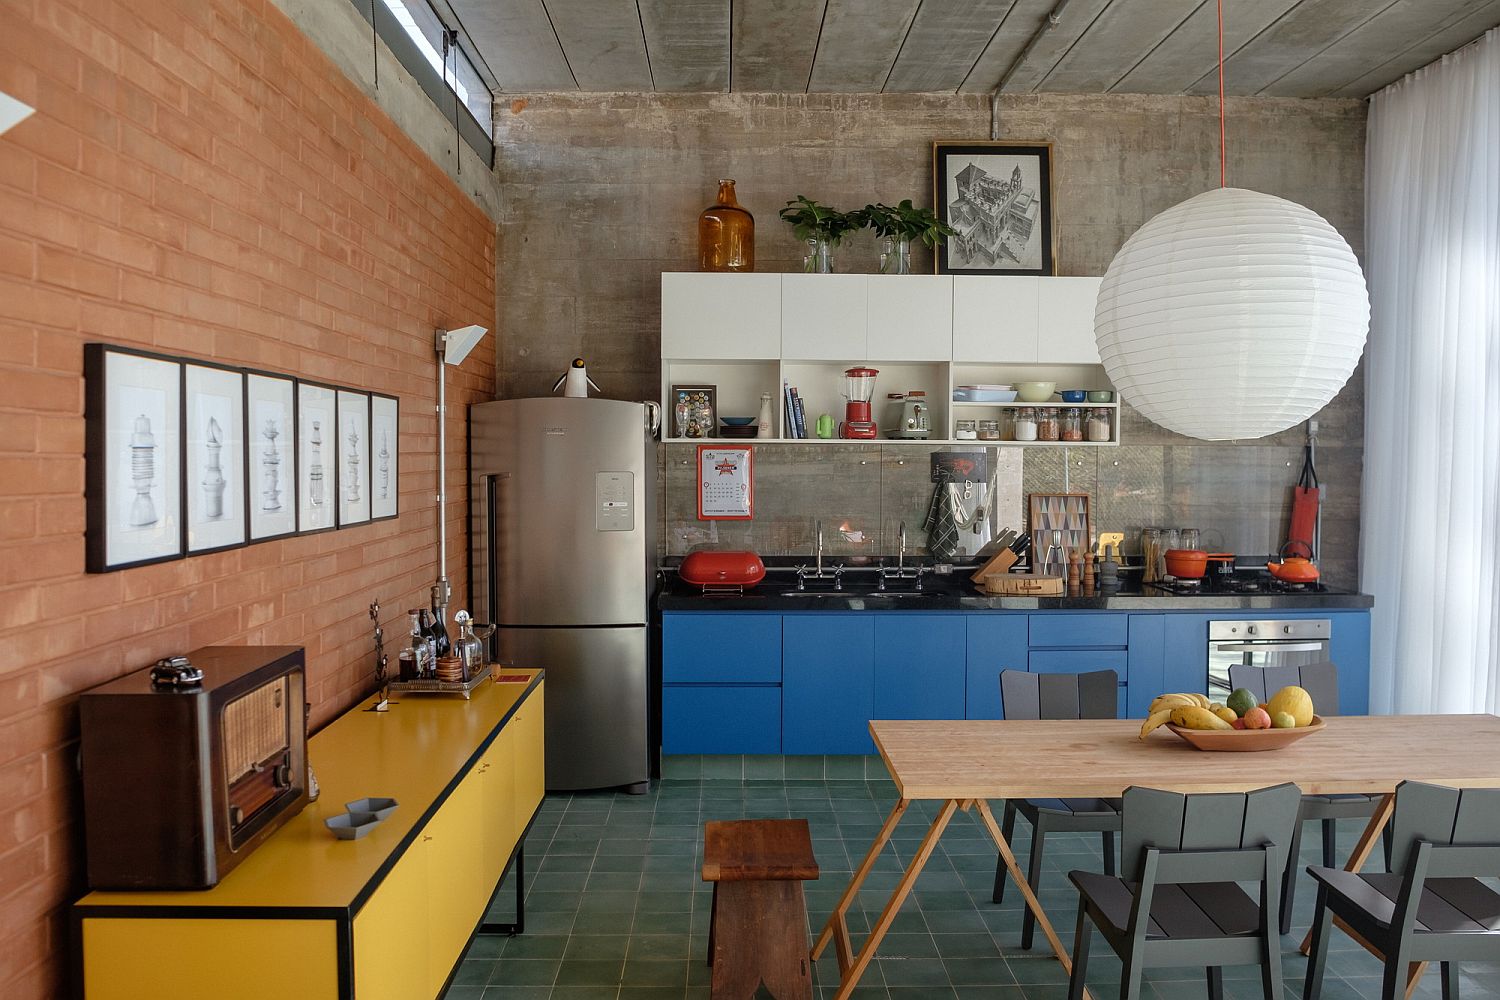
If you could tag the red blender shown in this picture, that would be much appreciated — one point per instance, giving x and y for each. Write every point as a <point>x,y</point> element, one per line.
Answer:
<point>860,383</point>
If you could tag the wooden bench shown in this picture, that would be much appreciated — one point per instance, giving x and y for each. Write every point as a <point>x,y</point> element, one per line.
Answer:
<point>758,928</point>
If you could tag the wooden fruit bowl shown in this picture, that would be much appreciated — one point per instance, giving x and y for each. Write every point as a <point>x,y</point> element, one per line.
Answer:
<point>1245,740</point>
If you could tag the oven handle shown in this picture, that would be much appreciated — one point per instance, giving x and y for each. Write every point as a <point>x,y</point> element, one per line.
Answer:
<point>1271,646</point>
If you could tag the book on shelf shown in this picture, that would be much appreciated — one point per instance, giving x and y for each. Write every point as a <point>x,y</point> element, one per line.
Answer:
<point>801,416</point>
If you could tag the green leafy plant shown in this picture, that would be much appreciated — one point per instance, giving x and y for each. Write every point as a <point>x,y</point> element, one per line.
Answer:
<point>905,222</point>
<point>810,221</point>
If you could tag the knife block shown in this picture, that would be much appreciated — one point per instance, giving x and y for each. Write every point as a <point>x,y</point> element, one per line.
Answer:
<point>1000,564</point>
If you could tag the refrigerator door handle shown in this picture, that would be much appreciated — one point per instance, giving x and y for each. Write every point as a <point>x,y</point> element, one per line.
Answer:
<point>653,418</point>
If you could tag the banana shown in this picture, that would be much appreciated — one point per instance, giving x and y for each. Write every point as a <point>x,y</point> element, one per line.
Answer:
<point>1156,720</point>
<point>1170,701</point>
<point>1193,717</point>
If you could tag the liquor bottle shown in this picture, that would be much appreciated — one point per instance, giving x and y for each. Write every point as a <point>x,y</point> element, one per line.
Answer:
<point>424,620</point>
<point>441,644</point>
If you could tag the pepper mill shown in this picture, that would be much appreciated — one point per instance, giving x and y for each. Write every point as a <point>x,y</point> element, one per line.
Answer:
<point>1074,573</point>
<point>1088,574</point>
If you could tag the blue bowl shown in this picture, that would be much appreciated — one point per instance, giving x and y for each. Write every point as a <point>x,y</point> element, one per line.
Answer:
<point>1073,395</point>
<point>738,421</point>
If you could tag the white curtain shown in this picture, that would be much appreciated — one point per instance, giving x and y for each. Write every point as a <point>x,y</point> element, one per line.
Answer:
<point>1431,503</point>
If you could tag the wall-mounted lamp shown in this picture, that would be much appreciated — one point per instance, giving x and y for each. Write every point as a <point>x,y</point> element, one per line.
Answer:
<point>12,112</point>
<point>452,347</point>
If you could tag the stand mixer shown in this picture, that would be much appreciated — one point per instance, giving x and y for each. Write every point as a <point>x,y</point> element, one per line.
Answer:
<point>859,390</point>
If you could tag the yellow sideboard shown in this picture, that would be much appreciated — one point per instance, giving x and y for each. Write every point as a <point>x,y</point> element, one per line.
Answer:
<point>312,917</point>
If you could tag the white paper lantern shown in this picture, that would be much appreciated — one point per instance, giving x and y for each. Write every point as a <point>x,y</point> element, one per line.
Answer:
<point>1233,315</point>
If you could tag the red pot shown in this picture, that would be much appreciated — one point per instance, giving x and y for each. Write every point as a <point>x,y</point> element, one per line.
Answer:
<point>722,569</point>
<point>1191,564</point>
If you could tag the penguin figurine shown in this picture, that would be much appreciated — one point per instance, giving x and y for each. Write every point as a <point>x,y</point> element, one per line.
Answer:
<point>575,381</point>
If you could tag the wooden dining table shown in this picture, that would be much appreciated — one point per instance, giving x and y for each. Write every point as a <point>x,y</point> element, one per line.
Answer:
<point>964,764</point>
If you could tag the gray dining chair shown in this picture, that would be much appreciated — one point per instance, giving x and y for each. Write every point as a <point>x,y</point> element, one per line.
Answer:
<point>1093,695</point>
<point>1321,681</point>
<point>1430,906</point>
<point>1181,900</point>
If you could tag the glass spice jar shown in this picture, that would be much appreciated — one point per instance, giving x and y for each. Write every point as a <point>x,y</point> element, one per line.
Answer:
<point>1025,425</point>
<point>965,430</point>
<point>989,430</point>
<point>1072,424</point>
<point>1047,425</point>
<point>1099,425</point>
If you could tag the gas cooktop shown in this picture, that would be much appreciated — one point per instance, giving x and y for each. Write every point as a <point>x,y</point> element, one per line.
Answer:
<point>1244,581</point>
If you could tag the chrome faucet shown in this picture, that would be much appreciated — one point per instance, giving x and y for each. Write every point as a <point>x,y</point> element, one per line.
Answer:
<point>818,548</point>
<point>901,550</point>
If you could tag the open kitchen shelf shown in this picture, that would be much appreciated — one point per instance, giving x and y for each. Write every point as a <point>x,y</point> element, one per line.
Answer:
<point>748,334</point>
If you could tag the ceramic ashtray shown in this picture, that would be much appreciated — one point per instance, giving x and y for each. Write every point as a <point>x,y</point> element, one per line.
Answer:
<point>379,806</point>
<point>352,825</point>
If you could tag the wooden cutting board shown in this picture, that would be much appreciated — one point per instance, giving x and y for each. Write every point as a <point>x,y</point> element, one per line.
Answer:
<point>1024,585</point>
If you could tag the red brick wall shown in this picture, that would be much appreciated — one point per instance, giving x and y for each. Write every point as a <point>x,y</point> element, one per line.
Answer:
<point>199,179</point>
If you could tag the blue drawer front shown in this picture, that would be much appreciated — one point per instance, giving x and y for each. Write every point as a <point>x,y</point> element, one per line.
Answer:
<point>1092,629</point>
<point>919,667</point>
<point>726,719</point>
<point>721,649</point>
<point>828,684</point>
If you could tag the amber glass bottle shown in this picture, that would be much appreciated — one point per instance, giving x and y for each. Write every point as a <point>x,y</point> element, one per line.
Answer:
<point>726,234</point>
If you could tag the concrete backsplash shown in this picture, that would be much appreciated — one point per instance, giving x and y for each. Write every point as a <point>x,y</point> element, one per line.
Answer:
<point>601,193</point>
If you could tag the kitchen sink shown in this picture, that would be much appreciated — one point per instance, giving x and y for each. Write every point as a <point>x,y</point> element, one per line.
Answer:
<point>863,595</point>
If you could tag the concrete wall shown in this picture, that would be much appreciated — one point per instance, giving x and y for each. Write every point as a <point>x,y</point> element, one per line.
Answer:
<point>199,179</point>
<point>600,194</point>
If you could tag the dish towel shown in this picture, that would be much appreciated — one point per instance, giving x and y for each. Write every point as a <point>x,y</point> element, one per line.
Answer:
<point>942,521</point>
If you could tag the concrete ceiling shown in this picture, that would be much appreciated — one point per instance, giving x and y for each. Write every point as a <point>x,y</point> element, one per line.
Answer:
<point>1285,48</point>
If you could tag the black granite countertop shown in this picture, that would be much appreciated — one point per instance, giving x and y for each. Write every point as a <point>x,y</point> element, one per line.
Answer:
<point>778,592</point>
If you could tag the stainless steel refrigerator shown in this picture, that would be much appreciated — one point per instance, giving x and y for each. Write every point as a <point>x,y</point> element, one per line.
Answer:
<point>562,492</point>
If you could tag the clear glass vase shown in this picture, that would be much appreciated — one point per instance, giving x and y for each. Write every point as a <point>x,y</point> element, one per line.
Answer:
<point>895,255</point>
<point>819,259</point>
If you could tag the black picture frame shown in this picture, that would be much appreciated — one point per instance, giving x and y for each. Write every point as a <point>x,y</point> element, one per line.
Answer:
<point>235,454</point>
<point>995,193</point>
<point>385,496</point>
<point>282,447</point>
<point>107,394</point>
<point>317,478</point>
<point>352,414</point>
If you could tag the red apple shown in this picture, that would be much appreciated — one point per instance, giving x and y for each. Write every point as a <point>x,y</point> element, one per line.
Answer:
<point>1257,718</point>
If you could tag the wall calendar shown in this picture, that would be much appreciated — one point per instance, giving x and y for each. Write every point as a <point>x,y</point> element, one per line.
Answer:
<point>726,487</point>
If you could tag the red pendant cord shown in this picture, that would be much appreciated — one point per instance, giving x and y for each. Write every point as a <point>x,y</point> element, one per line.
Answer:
<point>1223,169</point>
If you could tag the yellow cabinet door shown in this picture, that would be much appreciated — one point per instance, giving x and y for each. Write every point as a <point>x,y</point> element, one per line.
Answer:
<point>499,822</point>
<point>529,755</point>
<point>456,896</point>
<point>391,953</point>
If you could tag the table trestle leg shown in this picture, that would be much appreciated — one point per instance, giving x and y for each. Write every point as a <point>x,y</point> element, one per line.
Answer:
<point>837,927</point>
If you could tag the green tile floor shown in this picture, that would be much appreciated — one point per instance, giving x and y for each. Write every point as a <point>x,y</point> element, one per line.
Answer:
<point>616,909</point>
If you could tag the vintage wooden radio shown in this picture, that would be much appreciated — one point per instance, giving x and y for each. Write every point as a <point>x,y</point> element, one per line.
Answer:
<point>188,765</point>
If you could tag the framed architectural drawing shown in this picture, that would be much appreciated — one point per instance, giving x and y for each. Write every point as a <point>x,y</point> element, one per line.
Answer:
<point>133,458</point>
<point>213,421</point>
<point>353,457</point>
<point>385,462</point>
<point>271,445</point>
<point>317,458</point>
<point>998,196</point>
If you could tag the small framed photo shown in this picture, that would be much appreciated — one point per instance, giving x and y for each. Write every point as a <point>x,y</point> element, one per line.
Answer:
<point>133,458</point>
<point>695,411</point>
<point>353,457</point>
<point>213,421</point>
<point>271,451</point>
<point>317,457</point>
<point>385,467</point>
<point>998,196</point>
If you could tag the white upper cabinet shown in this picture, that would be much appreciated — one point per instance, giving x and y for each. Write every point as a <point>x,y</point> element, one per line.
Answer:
<point>823,317</point>
<point>720,316</point>
<point>1065,320</point>
<point>995,319</point>
<point>910,317</point>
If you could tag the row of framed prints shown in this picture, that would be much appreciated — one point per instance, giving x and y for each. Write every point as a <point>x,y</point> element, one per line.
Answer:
<point>185,457</point>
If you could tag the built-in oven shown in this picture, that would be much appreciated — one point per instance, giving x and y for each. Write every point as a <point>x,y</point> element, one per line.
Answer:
<point>1279,647</point>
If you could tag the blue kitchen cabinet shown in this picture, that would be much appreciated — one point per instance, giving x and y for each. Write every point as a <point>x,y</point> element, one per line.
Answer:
<point>1145,663</point>
<point>721,718</point>
<point>721,683</point>
<point>919,666</point>
<point>997,640</point>
<point>827,683</point>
